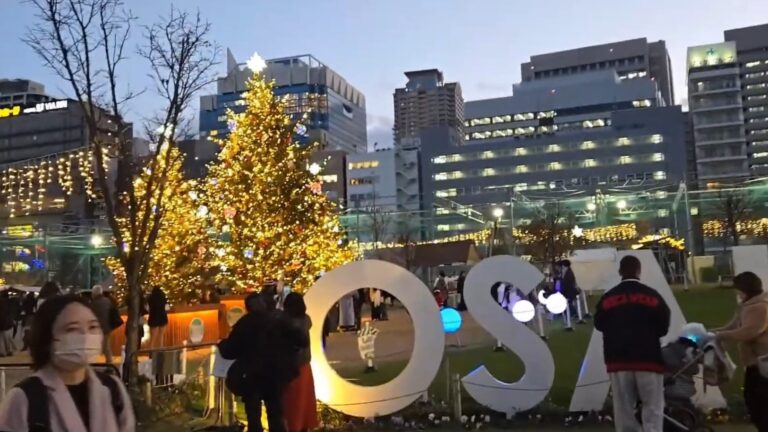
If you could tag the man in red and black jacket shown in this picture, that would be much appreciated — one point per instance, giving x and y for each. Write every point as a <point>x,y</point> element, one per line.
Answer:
<point>633,318</point>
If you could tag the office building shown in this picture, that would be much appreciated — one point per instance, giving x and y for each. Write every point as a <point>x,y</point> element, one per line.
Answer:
<point>575,135</point>
<point>635,58</point>
<point>728,100</point>
<point>330,111</point>
<point>332,166</point>
<point>21,92</point>
<point>425,102</point>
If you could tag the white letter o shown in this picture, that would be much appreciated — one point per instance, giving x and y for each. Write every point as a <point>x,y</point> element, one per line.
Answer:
<point>428,345</point>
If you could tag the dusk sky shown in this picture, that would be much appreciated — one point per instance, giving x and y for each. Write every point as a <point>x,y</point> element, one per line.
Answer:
<point>371,43</point>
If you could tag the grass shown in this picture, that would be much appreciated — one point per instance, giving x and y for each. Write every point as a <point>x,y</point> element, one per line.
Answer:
<point>711,306</point>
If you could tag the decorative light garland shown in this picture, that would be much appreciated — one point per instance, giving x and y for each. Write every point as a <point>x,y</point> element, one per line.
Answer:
<point>25,185</point>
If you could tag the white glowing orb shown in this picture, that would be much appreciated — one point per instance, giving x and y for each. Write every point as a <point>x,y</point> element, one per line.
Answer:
<point>256,64</point>
<point>556,303</point>
<point>542,297</point>
<point>523,311</point>
<point>202,211</point>
<point>314,168</point>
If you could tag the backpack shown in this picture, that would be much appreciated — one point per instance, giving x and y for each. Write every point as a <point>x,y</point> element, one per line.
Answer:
<point>38,416</point>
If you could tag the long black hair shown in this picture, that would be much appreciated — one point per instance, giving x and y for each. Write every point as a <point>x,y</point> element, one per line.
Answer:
<point>41,332</point>
<point>294,305</point>
<point>748,283</point>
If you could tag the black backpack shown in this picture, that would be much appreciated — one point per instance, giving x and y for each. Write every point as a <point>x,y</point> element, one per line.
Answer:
<point>38,416</point>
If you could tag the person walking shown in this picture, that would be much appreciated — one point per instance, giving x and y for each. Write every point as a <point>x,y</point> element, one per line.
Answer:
<point>65,394</point>
<point>749,328</point>
<point>158,317</point>
<point>633,318</point>
<point>460,289</point>
<point>299,402</point>
<point>109,318</point>
<point>442,285</point>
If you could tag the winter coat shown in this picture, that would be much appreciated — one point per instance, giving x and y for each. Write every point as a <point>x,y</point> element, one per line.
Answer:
<point>750,329</point>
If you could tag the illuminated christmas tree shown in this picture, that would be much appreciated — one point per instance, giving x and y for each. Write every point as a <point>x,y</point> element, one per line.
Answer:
<point>272,219</point>
<point>180,260</point>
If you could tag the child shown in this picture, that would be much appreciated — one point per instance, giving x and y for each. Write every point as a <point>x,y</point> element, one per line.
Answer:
<point>439,298</point>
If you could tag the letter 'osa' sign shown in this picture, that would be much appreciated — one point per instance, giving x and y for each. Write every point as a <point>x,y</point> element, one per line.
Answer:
<point>530,390</point>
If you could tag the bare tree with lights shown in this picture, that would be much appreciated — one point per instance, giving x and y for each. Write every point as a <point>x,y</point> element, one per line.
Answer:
<point>86,43</point>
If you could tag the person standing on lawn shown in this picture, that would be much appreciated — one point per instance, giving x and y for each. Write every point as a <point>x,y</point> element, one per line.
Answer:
<point>750,329</point>
<point>633,318</point>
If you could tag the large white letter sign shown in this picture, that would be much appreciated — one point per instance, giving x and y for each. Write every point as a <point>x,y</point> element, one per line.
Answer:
<point>428,344</point>
<point>592,386</point>
<point>539,374</point>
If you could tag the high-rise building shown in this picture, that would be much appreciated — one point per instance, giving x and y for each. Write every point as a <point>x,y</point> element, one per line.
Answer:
<point>634,58</point>
<point>588,135</point>
<point>728,102</point>
<point>21,92</point>
<point>331,112</point>
<point>752,52</point>
<point>425,102</point>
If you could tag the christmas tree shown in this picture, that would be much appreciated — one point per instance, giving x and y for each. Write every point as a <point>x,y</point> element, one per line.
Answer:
<point>272,219</point>
<point>180,260</point>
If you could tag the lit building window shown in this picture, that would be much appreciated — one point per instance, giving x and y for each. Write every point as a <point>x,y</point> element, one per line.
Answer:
<point>521,151</point>
<point>756,109</point>
<point>623,160</point>
<point>589,163</point>
<point>658,157</point>
<point>660,175</point>
<point>329,178</point>
<point>553,148</point>
<point>440,176</point>
<point>445,193</point>
<point>756,97</point>
<point>752,64</point>
<point>363,164</point>
<point>554,166</point>
<point>758,131</point>
<point>521,186</point>
<point>656,139</point>
<point>623,141</point>
<point>756,86</point>
<point>587,145</point>
<point>643,103</point>
<point>488,154</point>
<point>521,169</point>
<point>761,154</point>
<point>488,172</point>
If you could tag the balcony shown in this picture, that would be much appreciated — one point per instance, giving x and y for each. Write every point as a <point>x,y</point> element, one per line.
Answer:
<point>720,123</point>
<point>720,157</point>
<point>710,106</point>
<point>715,140</point>
<point>712,87</point>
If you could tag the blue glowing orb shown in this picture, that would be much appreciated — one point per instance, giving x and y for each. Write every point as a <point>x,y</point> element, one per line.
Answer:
<point>451,320</point>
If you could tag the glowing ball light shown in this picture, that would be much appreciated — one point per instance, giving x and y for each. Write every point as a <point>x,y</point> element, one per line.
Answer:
<point>451,320</point>
<point>555,303</point>
<point>523,311</point>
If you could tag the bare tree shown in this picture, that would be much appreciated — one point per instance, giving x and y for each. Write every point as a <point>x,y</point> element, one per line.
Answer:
<point>733,207</point>
<point>85,43</point>
<point>379,222</point>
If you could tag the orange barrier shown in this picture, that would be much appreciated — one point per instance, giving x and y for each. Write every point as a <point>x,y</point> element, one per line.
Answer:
<point>210,318</point>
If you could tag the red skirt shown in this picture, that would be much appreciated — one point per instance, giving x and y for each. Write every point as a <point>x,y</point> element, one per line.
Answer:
<point>299,403</point>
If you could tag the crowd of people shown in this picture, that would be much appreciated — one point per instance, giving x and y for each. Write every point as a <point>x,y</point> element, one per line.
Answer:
<point>271,353</point>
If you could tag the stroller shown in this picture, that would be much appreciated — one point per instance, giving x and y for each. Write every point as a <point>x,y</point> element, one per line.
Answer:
<point>693,350</point>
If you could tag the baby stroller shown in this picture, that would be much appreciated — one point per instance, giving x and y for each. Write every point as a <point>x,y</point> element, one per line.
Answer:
<point>693,350</point>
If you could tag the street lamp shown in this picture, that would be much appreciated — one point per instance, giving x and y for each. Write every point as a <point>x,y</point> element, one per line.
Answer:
<point>621,204</point>
<point>498,212</point>
<point>97,240</point>
<point>591,206</point>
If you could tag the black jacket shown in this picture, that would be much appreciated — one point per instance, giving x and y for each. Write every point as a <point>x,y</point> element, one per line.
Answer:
<point>632,317</point>
<point>568,286</point>
<point>269,344</point>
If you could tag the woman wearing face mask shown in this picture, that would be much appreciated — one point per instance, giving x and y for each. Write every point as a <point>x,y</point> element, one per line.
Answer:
<point>750,329</point>
<point>65,394</point>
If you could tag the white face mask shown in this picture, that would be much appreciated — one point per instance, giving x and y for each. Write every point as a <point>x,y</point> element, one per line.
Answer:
<point>75,350</point>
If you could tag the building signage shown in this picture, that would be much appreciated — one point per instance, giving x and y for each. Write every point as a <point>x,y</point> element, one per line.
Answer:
<point>712,55</point>
<point>17,110</point>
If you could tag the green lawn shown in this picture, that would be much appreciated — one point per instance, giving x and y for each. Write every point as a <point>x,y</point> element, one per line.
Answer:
<point>710,306</point>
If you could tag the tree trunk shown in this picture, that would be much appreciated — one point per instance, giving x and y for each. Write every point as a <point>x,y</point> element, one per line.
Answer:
<point>132,341</point>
